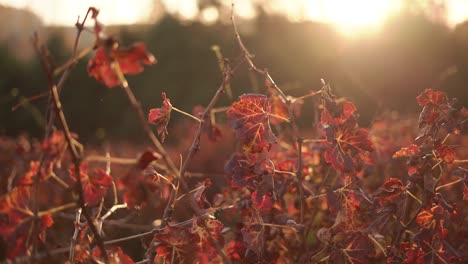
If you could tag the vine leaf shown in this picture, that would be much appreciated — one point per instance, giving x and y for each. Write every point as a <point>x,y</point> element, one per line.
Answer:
<point>161,116</point>
<point>347,144</point>
<point>14,212</point>
<point>95,186</point>
<point>130,61</point>
<point>249,117</point>
<point>140,181</point>
<point>431,97</point>
<point>241,171</point>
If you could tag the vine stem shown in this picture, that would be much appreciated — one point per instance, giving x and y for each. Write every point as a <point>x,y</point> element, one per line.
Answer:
<point>228,74</point>
<point>290,104</point>
<point>448,184</point>
<point>193,149</point>
<point>72,147</point>
<point>186,114</point>
<point>74,239</point>
<point>141,118</point>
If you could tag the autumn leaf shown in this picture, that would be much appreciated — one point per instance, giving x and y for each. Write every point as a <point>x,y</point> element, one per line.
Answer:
<point>115,255</point>
<point>444,152</point>
<point>431,97</point>
<point>28,178</point>
<point>262,201</point>
<point>406,152</point>
<point>347,144</point>
<point>203,231</point>
<point>15,212</point>
<point>15,206</point>
<point>425,218</point>
<point>161,116</point>
<point>355,249</point>
<point>391,190</point>
<point>55,144</point>
<point>140,181</point>
<point>146,158</point>
<point>249,117</point>
<point>254,238</point>
<point>240,170</point>
<point>278,107</point>
<point>336,113</point>
<point>130,61</point>
<point>95,185</point>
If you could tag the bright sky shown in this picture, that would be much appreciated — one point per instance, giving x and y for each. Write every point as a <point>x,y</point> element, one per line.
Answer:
<point>349,16</point>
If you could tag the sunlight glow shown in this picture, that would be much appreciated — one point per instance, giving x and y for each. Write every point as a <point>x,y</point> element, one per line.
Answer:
<point>65,12</point>
<point>351,17</point>
<point>457,11</point>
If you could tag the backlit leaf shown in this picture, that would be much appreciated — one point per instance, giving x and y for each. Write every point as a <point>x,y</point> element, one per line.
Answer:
<point>161,116</point>
<point>249,117</point>
<point>129,59</point>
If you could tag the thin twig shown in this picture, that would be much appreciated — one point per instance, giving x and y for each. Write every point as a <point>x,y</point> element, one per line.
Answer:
<point>72,61</point>
<point>124,161</point>
<point>74,239</point>
<point>109,213</point>
<point>72,147</point>
<point>448,184</point>
<point>248,57</point>
<point>141,118</point>
<point>186,114</point>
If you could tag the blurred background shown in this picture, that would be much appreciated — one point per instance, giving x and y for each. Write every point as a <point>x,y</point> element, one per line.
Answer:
<point>379,54</point>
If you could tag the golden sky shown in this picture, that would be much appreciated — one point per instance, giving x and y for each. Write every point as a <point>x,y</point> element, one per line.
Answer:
<point>347,16</point>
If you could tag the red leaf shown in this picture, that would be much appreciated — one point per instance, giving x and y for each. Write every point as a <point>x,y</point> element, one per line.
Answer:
<point>146,158</point>
<point>240,170</point>
<point>391,189</point>
<point>140,181</point>
<point>425,218</point>
<point>338,159</point>
<point>445,152</point>
<point>54,144</point>
<point>199,193</point>
<point>407,152</point>
<point>249,117</point>
<point>356,249</point>
<point>278,107</point>
<point>95,186</point>
<point>465,193</point>
<point>211,228</point>
<point>253,237</point>
<point>15,207</point>
<point>161,116</point>
<point>129,60</point>
<point>346,145</point>
<point>336,113</point>
<point>114,254</point>
<point>431,97</point>
<point>28,178</point>
<point>263,202</point>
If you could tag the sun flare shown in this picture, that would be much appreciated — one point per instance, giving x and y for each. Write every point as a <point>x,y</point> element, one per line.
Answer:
<point>351,17</point>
